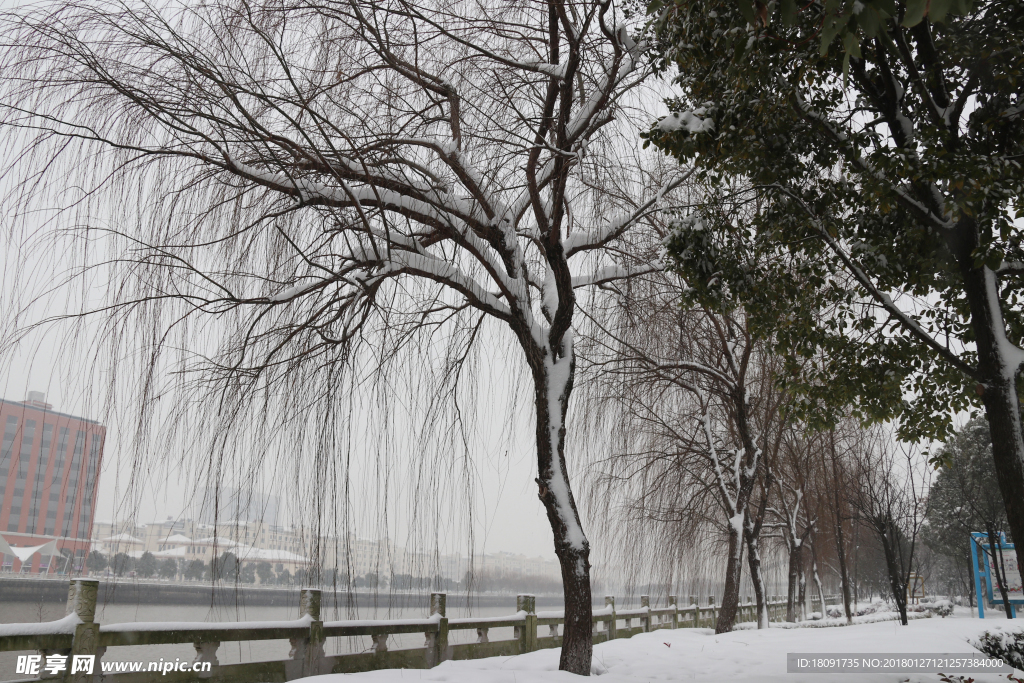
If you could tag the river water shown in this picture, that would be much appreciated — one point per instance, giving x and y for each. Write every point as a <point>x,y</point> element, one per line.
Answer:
<point>339,608</point>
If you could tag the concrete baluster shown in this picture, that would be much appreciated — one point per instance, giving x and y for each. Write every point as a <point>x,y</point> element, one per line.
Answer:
<point>206,652</point>
<point>611,627</point>
<point>645,622</point>
<point>85,642</point>
<point>437,642</point>
<point>307,653</point>
<point>527,633</point>
<point>673,602</point>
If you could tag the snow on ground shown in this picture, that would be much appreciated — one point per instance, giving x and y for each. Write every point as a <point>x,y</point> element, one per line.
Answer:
<point>699,655</point>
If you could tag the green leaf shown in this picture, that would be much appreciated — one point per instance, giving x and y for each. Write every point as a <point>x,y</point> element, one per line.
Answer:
<point>747,10</point>
<point>828,32</point>
<point>788,8</point>
<point>938,9</point>
<point>869,20</point>
<point>887,8</point>
<point>851,44</point>
<point>962,7</point>
<point>916,9</point>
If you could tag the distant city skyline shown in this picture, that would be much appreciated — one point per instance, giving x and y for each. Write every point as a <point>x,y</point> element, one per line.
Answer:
<point>508,519</point>
<point>186,540</point>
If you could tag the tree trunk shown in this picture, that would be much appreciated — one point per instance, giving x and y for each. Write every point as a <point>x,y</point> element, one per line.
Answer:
<point>731,596</point>
<point>998,367</point>
<point>803,593</point>
<point>752,535</point>
<point>993,541</point>
<point>794,579</point>
<point>821,591</point>
<point>844,574</point>
<point>896,582</point>
<point>553,384</point>
<point>577,640</point>
<point>817,580</point>
<point>757,579</point>
<point>751,527</point>
<point>1003,412</point>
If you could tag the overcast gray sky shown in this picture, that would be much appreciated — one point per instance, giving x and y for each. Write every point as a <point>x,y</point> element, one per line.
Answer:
<point>508,515</point>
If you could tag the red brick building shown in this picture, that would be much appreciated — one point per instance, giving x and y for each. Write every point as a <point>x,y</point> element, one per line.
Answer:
<point>49,471</point>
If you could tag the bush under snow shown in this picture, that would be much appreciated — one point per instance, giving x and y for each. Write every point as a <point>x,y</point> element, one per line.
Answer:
<point>1005,643</point>
<point>942,608</point>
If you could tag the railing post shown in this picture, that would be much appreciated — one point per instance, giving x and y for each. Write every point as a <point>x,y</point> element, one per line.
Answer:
<point>611,627</point>
<point>645,622</point>
<point>307,653</point>
<point>714,611</point>
<point>437,643</point>
<point>86,640</point>
<point>673,601</point>
<point>528,634</point>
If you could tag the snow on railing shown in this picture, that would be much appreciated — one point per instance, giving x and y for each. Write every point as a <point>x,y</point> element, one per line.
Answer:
<point>79,633</point>
<point>65,626</point>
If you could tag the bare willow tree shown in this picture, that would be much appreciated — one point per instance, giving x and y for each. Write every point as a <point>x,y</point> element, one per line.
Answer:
<point>696,398</point>
<point>322,176</point>
<point>887,500</point>
<point>795,479</point>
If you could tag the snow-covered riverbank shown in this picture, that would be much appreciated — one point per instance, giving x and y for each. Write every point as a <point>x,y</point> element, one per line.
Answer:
<point>701,656</point>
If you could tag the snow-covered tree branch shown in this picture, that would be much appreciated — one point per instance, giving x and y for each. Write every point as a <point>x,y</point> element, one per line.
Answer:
<point>325,175</point>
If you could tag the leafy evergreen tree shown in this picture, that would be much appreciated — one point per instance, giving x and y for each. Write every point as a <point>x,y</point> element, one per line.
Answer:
<point>195,570</point>
<point>228,567</point>
<point>247,573</point>
<point>865,168</point>
<point>122,563</point>
<point>146,565</point>
<point>96,561</point>
<point>169,569</point>
<point>963,500</point>
<point>265,572</point>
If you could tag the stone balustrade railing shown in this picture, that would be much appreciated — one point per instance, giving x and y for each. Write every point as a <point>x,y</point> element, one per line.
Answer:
<point>78,634</point>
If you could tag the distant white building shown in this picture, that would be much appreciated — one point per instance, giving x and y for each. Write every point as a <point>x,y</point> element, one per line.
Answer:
<point>120,543</point>
<point>289,547</point>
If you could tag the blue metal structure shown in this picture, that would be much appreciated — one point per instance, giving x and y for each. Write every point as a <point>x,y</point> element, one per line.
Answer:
<point>979,567</point>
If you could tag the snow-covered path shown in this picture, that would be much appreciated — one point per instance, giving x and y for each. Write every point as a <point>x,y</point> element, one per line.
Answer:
<point>699,655</point>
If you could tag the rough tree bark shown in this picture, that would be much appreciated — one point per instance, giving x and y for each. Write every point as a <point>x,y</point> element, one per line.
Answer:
<point>571,546</point>
<point>997,566</point>
<point>752,535</point>
<point>844,574</point>
<point>889,536</point>
<point>998,368</point>
<point>803,592</point>
<point>731,592</point>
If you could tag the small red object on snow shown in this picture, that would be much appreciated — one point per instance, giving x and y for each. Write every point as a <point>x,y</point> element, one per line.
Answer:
<point>668,644</point>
